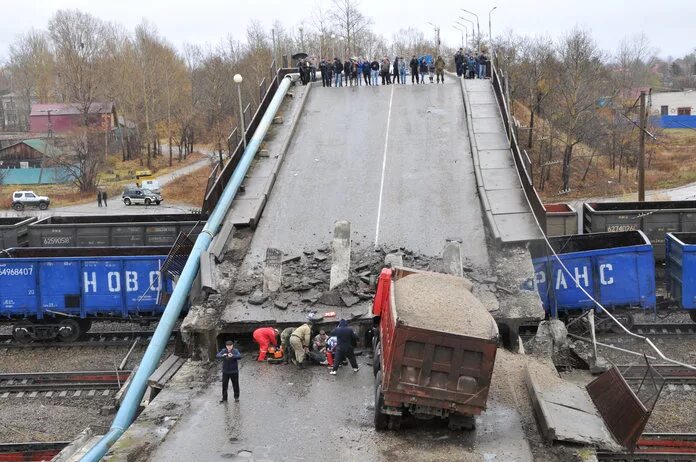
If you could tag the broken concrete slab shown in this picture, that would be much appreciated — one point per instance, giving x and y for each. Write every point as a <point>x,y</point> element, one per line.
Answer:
<point>452,258</point>
<point>394,259</point>
<point>273,271</point>
<point>258,298</point>
<point>340,255</point>
<point>350,299</point>
<point>565,411</point>
<point>331,298</point>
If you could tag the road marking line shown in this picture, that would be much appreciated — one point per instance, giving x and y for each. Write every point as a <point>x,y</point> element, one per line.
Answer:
<point>384,167</point>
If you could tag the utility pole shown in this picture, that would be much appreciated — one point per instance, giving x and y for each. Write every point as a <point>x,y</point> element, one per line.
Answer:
<point>641,150</point>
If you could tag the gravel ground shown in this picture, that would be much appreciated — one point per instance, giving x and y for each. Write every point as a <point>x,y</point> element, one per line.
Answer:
<point>53,419</point>
<point>68,359</point>
<point>23,420</point>
<point>675,410</point>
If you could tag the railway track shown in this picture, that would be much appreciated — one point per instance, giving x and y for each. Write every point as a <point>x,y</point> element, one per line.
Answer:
<point>657,447</point>
<point>671,374</point>
<point>528,331</point>
<point>89,339</point>
<point>61,384</point>
<point>31,451</point>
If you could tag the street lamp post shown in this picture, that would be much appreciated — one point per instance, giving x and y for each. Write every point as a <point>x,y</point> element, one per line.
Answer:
<point>478,29</point>
<point>473,26</point>
<point>238,80</point>
<point>466,34</point>
<point>333,45</point>
<point>490,34</point>
<point>462,32</point>
<point>437,38</point>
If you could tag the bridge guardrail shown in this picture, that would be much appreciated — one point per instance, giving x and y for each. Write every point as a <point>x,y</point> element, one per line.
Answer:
<point>522,160</point>
<point>216,186</point>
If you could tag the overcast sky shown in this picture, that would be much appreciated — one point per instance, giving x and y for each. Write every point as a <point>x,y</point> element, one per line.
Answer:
<point>669,24</point>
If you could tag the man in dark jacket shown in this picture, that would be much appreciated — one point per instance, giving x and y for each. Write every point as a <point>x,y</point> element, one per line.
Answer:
<point>395,72</point>
<point>413,64</point>
<point>230,369</point>
<point>346,338</point>
<point>374,71</point>
<point>324,69</point>
<point>338,69</point>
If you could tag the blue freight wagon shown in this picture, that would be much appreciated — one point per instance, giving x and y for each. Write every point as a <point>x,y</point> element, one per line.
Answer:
<point>616,269</point>
<point>680,270</point>
<point>57,292</point>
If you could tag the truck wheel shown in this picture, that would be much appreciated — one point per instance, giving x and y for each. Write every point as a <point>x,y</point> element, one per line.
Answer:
<point>377,359</point>
<point>459,422</point>
<point>148,202</point>
<point>18,206</point>
<point>127,201</point>
<point>381,419</point>
<point>43,206</point>
<point>68,330</point>
<point>394,422</point>
<point>692,315</point>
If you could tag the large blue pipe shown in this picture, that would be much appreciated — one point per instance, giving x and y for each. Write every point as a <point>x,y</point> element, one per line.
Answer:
<point>131,401</point>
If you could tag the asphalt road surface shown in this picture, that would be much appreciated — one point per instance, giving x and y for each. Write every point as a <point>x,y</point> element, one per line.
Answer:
<point>287,414</point>
<point>392,160</point>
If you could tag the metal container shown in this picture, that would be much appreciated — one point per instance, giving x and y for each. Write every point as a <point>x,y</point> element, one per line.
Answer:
<point>561,219</point>
<point>680,270</point>
<point>85,283</point>
<point>655,219</point>
<point>430,372</point>
<point>113,230</point>
<point>14,231</point>
<point>616,269</point>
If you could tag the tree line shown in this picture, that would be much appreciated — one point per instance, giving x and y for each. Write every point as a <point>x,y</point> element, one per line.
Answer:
<point>569,94</point>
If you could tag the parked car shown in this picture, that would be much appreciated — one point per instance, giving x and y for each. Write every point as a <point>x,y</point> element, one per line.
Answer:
<point>140,196</point>
<point>152,185</point>
<point>22,199</point>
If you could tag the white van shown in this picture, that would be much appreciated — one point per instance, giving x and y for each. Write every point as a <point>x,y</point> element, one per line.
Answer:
<point>152,185</point>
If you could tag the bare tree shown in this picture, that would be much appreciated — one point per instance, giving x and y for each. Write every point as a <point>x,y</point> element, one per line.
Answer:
<point>581,79</point>
<point>80,158</point>
<point>79,42</point>
<point>347,18</point>
<point>31,64</point>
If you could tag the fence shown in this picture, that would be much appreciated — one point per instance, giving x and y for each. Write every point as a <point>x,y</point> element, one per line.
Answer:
<point>220,176</point>
<point>522,161</point>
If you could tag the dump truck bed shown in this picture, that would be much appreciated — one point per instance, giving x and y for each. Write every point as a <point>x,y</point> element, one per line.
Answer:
<point>438,345</point>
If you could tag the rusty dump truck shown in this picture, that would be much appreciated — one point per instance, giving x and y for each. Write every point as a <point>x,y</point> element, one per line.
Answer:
<point>434,349</point>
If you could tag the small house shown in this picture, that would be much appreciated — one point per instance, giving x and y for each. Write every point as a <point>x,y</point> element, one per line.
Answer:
<point>63,118</point>
<point>674,109</point>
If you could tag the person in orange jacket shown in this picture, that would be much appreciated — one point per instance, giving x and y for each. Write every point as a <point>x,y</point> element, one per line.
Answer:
<point>265,336</point>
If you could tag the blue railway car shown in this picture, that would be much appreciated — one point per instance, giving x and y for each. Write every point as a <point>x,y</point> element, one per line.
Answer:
<point>616,269</point>
<point>49,292</point>
<point>680,270</point>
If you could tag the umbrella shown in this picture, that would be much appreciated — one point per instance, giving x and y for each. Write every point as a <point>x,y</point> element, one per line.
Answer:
<point>299,56</point>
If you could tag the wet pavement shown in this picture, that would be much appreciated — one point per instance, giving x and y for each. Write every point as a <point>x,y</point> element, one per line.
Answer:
<point>400,172</point>
<point>286,414</point>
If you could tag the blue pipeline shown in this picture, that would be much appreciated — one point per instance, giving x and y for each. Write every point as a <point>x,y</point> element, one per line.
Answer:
<point>131,401</point>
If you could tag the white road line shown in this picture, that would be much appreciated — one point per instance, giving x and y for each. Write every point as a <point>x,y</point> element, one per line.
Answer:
<point>384,167</point>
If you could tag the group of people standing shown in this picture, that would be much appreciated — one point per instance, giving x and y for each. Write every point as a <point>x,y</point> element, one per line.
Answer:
<point>362,71</point>
<point>471,66</point>
<point>296,345</point>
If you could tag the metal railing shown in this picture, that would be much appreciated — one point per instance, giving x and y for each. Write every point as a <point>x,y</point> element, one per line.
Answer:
<point>217,185</point>
<point>522,160</point>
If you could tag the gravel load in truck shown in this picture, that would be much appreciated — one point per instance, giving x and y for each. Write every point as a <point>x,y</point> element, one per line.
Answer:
<point>451,307</point>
